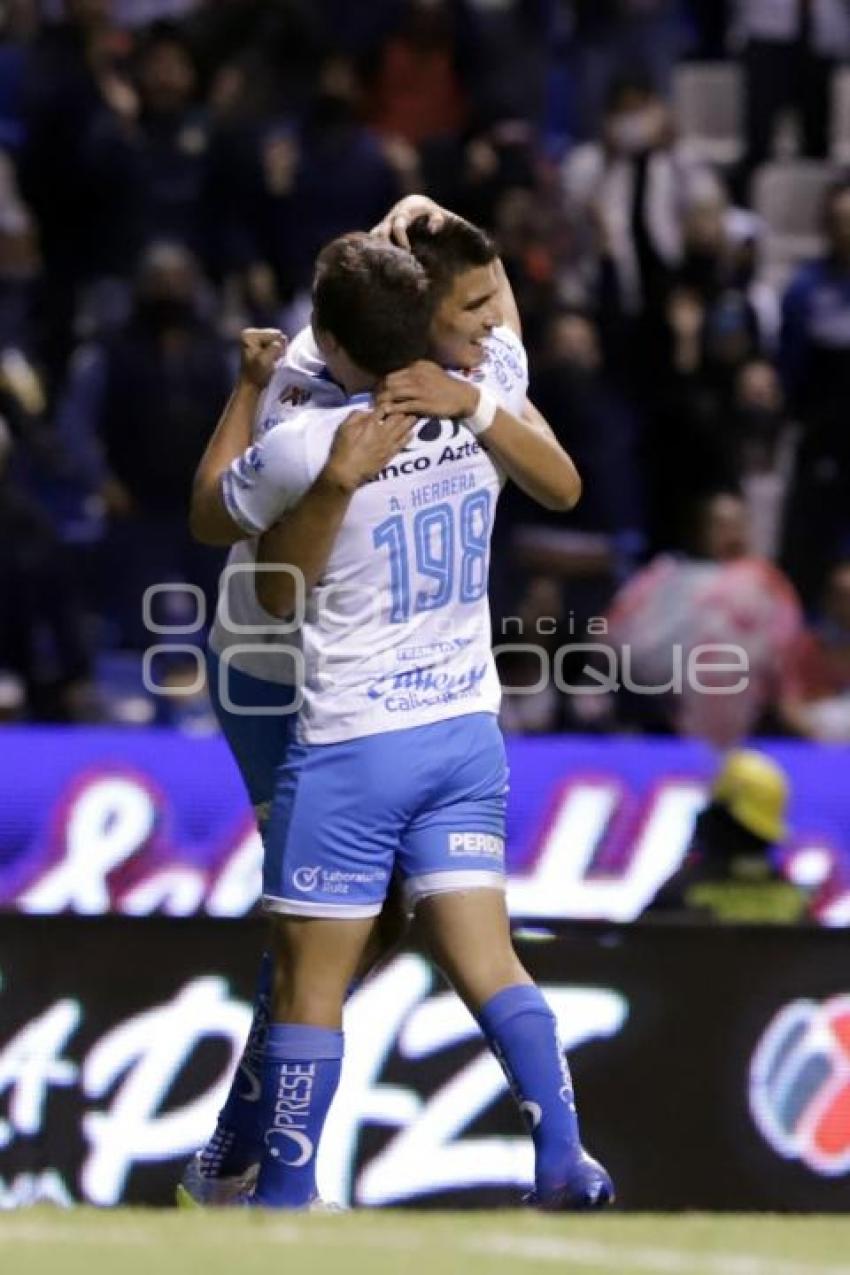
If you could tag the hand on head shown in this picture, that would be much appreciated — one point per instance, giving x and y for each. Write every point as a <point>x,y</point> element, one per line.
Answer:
<point>401,216</point>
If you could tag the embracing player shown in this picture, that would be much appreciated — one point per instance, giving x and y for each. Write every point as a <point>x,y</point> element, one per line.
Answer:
<point>371,298</point>
<point>447,821</point>
<point>404,725</point>
<point>250,677</point>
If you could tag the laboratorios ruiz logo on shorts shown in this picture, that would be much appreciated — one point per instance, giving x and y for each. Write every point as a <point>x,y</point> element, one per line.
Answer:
<point>800,1084</point>
<point>317,880</point>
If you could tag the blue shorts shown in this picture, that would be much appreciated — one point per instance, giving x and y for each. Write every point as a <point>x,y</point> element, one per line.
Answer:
<point>428,803</point>
<point>253,717</point>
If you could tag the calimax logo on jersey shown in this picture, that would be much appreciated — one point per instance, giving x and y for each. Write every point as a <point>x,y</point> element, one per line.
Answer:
<point>409,689</point>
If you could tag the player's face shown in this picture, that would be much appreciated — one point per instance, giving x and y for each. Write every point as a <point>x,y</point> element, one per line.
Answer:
<point>465,317</point>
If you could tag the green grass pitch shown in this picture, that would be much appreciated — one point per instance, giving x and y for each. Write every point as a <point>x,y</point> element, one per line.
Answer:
<point>139,1242</point>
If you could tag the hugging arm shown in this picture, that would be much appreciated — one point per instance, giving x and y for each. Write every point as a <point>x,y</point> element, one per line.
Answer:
<point>524,446</point>
<point>210,521</point>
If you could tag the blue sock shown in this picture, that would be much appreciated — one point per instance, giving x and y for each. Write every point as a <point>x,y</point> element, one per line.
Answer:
<point>238,1138</point>
<point>237,1141</point>
<point>523,1034</point>
<point>301,1069</point>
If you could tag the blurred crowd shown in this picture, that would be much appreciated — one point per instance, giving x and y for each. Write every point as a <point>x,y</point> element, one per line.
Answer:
<point>168,171</point>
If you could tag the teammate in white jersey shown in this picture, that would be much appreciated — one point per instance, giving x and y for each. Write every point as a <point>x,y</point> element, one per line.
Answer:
<point>399,763</point>
<point>250,679</point>
<point>476,300</point>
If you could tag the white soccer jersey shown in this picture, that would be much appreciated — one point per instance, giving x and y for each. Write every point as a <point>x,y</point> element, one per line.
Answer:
<point>242,629</point>
<point>397,633</point>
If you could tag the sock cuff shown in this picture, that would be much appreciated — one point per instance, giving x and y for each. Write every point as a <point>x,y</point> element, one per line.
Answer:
<point>524,998</point>
<point>303,1044</point>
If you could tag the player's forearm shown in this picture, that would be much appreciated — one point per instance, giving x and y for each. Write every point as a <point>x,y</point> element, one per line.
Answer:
<point>209,521</point>
<point>302,541</point>
<point>528,452</point>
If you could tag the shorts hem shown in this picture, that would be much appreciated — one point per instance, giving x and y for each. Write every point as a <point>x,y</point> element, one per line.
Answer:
<point>424,887</point>
<point>320,910</point>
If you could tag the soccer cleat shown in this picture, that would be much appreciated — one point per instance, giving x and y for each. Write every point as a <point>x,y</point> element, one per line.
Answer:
<point>196,1191</point>
<point>588,1186</point>
<point>246,1200</point>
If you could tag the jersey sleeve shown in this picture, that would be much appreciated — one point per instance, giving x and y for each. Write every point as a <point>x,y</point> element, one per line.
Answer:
<point>505,369</point>
<point>270,477</point>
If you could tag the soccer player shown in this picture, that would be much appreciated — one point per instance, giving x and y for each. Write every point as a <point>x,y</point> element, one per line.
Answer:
<point>371,297</point>
<point>271,388</point>
<point>398,762</point>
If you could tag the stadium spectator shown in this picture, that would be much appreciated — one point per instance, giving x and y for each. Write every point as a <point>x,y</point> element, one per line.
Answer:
<point>313,181</point>
<point>76,164</point>
<point>43,649</point>
<point>20,265</point>
<point>596,424</point>
<point>415,90</point>
<point>815,693</point>
<point>790,50</point>
<point>633,187</point>
<point>136,414</point>
<point>692,362</point>
<point>510,46</point>
<point>259,56</point>
<point>172,142</point>
<point>815,362</point>
<point>482,170</point>
<point>721,250</point>
<point>617,38</point>
<point>730,871</point>
<point>761,447</point>
<point>718,594</point>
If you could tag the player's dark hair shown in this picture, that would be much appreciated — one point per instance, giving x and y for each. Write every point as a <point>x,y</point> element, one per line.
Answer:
<point>456,247</point>
<point>375,300</point>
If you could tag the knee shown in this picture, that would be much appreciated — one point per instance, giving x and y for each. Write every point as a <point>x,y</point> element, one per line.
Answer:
<point>478,977</point>
<point>302,996</point>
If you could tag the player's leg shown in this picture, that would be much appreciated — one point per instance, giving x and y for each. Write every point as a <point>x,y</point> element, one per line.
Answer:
<point>468,936</point>
<point>256,718</point>
<point>452,856</point>
<point>329,854</point>
<point>302,1060</point>
<point>257,722</point>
